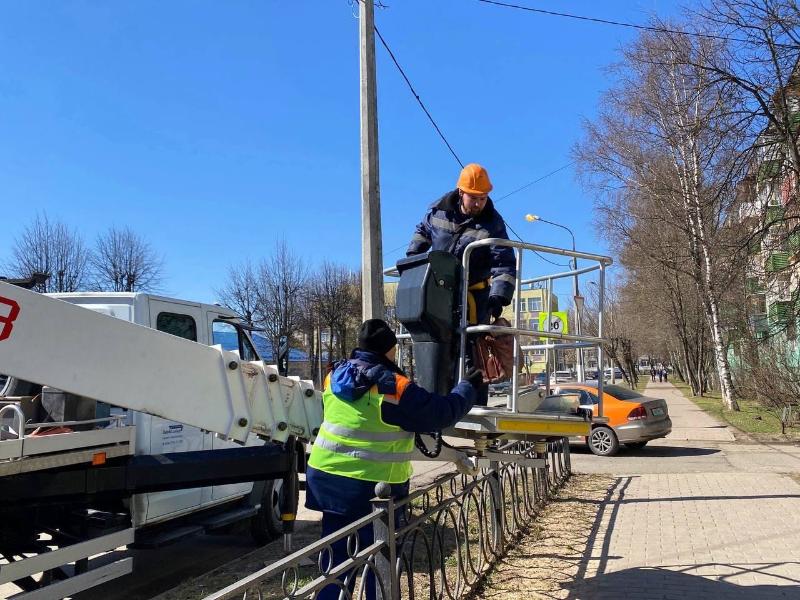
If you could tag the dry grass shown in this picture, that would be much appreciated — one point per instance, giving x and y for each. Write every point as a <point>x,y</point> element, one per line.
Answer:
<point>752,418</point>
<point>542,563</point>
<point>546,561</point>
<point>199,587</point>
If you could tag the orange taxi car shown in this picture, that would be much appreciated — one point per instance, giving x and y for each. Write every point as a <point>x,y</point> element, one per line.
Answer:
<point>633,419</point>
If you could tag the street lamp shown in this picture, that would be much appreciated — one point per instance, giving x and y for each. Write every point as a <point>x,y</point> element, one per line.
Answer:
<point>578,298</point>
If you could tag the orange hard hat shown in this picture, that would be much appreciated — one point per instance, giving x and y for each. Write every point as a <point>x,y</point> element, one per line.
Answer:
<point>474,180</point>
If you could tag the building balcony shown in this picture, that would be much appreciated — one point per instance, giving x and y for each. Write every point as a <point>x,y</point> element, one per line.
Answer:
<point>754,246</point>
<point>793,241</point>
<point>774,214</point>
<point>776,262</point>
<point>754,285</point>
<point>780,313</point>
<point>758,323</point>
<point>769,169</point>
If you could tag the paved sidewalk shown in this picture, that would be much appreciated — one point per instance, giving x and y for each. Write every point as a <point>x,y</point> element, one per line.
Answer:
<point>721,529</point>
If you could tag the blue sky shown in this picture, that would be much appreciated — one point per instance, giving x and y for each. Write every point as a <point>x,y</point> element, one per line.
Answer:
<point>213,129</point>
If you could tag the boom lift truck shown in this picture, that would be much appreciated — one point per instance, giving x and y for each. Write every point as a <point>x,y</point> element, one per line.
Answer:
<point>81,485</point>
<point>119,446</point>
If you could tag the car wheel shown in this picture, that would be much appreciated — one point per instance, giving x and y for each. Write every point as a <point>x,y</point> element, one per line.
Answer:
<point>603,441</point>
<point>636,445</point>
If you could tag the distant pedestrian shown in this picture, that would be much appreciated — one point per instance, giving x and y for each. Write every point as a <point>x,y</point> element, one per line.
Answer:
<point>652,373</point>
<point>660,373</point>
<point>665,371</point>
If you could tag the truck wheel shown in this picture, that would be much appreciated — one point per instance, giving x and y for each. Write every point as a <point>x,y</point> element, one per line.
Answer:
<point>266,525</point>
<point>603,441</point>
<point>11,386</point>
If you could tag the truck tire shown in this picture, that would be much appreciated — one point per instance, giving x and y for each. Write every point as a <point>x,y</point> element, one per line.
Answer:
<point>266,525</point>
<point>11,386</point>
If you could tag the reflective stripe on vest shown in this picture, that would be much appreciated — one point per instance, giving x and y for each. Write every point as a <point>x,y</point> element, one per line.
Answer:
<point>340,448</point>
<point>370,436</point>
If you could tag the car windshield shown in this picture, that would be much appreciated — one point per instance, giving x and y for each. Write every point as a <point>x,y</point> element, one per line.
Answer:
<point>621,393</point>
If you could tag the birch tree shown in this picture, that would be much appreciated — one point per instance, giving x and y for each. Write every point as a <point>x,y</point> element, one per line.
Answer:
<point>667,133</point>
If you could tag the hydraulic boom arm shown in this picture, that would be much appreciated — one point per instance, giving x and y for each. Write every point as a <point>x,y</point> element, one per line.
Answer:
<point>55,343</point>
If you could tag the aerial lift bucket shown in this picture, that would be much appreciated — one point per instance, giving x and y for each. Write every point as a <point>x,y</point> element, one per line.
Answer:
<point>427,306</point>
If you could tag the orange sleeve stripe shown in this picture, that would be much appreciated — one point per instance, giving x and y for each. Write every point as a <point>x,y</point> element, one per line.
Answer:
<point>327,381</point>
<point>401,383</point>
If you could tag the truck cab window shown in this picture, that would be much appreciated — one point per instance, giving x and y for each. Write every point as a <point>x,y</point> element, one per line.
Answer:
<point>181,325</point>
<point>233,339</point>
<point>248,352</point>
<point>225,335</point>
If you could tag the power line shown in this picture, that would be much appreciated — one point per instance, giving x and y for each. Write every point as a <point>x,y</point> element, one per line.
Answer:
<point>536,252</point>
<point>553,13</point>
<point>527,185</point>
<point>416,95</point>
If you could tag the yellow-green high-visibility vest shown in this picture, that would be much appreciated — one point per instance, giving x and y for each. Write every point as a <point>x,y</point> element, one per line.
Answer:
<point>354,441</point>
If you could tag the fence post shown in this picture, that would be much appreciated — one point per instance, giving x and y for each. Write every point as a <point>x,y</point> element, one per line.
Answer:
<point>387,580</point>
<point>540,450</point>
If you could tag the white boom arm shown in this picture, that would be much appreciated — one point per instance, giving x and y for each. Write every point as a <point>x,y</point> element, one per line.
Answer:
<point>55,343</point>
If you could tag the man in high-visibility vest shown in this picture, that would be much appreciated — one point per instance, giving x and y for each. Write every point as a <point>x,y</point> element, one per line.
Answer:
<point>371,412</point>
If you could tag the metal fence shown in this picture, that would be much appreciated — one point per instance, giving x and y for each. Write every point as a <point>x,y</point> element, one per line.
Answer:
<point>441,542</point>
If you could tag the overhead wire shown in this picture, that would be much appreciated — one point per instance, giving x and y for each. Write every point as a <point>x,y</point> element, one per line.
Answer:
<point>453,152</point>
<point>527,185</point>
<point>653,28</point>
<point>419,100</point>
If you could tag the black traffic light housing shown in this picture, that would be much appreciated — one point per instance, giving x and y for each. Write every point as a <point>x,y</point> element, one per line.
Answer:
<point>427,306</point>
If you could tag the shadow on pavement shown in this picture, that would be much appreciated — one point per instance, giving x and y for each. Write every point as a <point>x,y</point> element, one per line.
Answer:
<point>685,582</point>
<point>650,451</point>
<point>660,582</point>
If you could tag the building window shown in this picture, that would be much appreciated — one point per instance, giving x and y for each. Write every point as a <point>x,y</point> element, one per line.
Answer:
<point>522,305</point>
<point>534,304</point>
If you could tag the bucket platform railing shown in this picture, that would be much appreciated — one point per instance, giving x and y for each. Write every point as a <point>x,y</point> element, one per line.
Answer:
<point>525,338</point>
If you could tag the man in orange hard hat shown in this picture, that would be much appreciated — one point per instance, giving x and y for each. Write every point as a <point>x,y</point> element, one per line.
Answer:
<point>462,216</point>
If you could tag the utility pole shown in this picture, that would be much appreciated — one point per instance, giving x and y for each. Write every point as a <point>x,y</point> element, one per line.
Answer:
<point>371,244</point>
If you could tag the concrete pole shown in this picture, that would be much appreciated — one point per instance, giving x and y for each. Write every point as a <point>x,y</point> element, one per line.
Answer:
<point>371,238</point>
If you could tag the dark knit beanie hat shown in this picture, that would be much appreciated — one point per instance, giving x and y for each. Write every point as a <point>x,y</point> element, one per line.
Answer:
<point>375,336</point>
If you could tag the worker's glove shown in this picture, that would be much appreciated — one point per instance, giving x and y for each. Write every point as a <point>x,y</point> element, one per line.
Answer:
<point>474,377</point>
<point>496,304</point>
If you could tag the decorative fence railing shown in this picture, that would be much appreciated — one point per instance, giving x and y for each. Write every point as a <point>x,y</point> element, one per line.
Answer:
<point>441,542</point>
